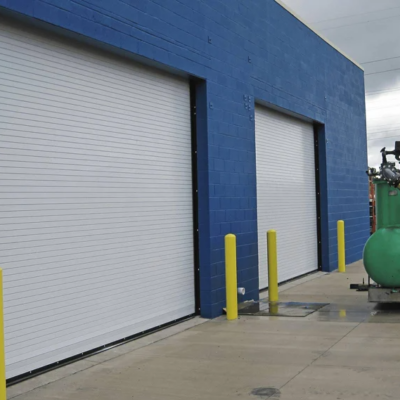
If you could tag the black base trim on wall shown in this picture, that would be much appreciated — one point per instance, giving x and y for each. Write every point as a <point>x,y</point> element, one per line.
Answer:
<point>20,378</point>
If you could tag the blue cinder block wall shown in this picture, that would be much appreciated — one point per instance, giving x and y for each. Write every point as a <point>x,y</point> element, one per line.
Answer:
<point>245,51</point>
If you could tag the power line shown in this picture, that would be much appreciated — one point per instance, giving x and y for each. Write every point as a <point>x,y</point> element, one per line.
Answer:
<point>359,23</point>
<point>379,60</point>
<point>372,93</point>
<point>382,72</point>
<point>386,131</point>
<point>384,137</point>
<point>383,127</point>
<point>353,15</point>
<point>386,124</point>
<point>389,130</point>
<point>380,118</point>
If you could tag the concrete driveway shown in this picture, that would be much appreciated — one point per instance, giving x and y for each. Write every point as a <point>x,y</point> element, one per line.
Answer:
<point>348,350</point>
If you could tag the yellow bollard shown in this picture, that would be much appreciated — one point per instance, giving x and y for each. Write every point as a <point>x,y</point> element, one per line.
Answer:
<point>272,266</point>
<point>231,277</point>
<point>273,308</point>
<point>2,345</point>
<point>341,247</point>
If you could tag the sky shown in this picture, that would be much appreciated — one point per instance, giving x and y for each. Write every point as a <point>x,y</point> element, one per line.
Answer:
<point>369,32</point>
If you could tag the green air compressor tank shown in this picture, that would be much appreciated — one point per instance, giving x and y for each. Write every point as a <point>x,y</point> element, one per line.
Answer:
<point>382,250</point>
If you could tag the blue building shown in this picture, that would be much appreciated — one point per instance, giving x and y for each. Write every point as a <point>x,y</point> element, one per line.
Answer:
<point>136,134</point>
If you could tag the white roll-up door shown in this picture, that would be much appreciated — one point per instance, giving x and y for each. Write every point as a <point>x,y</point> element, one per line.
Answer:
<point>96,237</point>
<point>286,193</point>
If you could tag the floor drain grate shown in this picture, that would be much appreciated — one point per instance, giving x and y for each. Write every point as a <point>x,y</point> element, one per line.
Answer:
<point>284,309</point>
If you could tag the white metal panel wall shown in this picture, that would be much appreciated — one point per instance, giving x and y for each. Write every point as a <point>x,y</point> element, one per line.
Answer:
<point>286,193</point>
<point>96,237</point>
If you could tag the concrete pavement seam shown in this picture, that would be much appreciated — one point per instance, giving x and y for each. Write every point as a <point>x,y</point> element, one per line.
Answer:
<point>321,355</point>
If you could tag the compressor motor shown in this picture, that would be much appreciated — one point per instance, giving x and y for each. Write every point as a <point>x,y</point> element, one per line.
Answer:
<point>387,170</point>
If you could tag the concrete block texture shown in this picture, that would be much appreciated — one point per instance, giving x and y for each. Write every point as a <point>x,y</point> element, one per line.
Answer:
<point>244,52</point>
